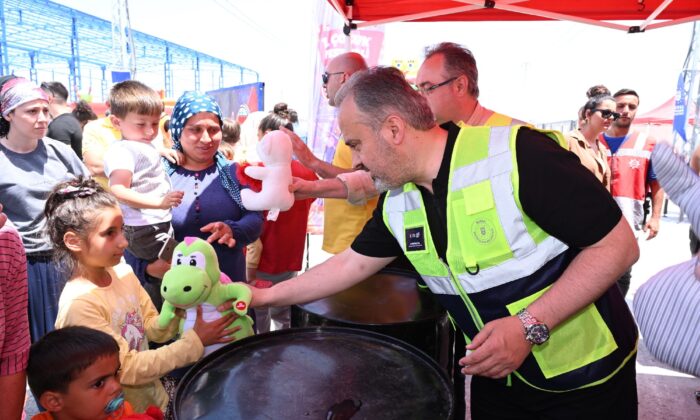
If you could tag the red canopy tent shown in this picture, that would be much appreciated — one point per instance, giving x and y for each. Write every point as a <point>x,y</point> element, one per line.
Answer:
<point>663,114</point>
<point>648,14</point>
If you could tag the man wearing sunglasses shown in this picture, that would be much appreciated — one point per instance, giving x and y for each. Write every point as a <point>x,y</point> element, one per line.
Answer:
<point>632,175</point>
<point>449,80</point>
<point>342,221</point>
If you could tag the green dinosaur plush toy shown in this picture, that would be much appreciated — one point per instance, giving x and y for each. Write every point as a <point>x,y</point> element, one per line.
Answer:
<point>195,279</point>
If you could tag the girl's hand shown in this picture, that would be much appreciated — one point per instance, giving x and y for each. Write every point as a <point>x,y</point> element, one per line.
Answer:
<point>220,232</point>
<point>214,332</point>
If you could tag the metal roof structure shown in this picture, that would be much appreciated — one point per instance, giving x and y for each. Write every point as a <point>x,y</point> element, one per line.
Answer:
<point>42,41</point>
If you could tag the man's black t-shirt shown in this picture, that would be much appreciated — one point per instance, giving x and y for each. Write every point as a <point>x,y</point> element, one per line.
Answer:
<point>556,191</point>
<point>66,129</point>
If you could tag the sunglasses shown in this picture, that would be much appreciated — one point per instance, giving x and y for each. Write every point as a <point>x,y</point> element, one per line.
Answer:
<point>325,76</point>
<point>606,113</point>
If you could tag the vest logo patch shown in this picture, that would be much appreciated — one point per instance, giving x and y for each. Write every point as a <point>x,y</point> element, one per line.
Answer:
<point>415,239</point>
<point>635,164</point>
<point>483,231</point>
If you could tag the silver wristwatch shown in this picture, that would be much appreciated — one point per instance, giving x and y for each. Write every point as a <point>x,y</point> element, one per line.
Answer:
<point>536,332</point>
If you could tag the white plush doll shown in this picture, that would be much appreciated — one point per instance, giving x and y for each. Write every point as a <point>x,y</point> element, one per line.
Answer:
<point>275,151</point>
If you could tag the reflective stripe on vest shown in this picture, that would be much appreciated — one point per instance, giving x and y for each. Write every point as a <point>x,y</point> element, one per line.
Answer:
<point>492,243</point>
<point>504,244</point>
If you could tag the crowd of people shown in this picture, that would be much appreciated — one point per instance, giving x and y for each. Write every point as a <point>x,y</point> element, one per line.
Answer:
<point>478,203</point>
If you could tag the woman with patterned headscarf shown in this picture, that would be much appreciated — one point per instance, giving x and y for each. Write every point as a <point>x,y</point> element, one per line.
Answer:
<point>211,208</point>
<point>31,165</point>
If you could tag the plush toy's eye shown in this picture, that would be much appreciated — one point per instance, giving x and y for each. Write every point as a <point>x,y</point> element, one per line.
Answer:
<point>195,259</point>
<point>177,258</point>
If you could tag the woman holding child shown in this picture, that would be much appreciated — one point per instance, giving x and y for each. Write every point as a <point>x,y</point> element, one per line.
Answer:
<point>31,165</point>
<point>211,207</point>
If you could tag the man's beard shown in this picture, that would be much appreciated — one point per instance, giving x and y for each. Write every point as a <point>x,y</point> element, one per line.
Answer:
<point>381,185</point>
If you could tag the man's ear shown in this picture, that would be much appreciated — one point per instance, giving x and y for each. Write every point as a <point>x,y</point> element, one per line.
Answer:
<point>52,401</point>
<point>72,241</point>
<point>396,127</point>
<point>462,84</point>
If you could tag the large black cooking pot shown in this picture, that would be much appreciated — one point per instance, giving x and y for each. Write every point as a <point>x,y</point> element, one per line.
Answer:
<point>391,303</point>
<point>315,373</point>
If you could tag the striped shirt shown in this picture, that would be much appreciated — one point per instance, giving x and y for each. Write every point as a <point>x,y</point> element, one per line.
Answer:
<point>14,322</point>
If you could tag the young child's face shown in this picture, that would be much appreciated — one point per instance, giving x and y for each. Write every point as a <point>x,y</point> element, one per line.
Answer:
<point>92,390</point>
<point>138,127</point>
<point>106,243</point>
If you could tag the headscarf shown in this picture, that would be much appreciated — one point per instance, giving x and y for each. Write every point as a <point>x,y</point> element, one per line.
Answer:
<point>188,105</point>
<point>19,91</point>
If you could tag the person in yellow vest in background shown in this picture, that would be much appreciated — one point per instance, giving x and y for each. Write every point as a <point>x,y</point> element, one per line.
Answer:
<point>452,98</point>
<point>342,221</point>
<point>485,215</point>
<point>631,172</point>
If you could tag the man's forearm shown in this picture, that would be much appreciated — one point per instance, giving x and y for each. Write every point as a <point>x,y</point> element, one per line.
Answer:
<point>594,270</point>
<point>334,275</point>
<point>327,170</point>
<point>321,188</point>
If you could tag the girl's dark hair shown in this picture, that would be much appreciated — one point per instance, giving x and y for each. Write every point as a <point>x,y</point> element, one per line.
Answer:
<point>59,357</point>
<point>83,112</point>
<point>274,121</point>
<point>72,206</point>
<point>4,124</point>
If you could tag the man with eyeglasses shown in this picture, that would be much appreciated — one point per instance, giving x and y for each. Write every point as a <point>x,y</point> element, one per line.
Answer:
<point>342,221</point>
<point>632,176</point>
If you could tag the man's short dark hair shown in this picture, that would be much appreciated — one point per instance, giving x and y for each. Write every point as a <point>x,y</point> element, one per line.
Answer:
<point>57,90</point>
<point>59,357</point>
<point>623,92</point>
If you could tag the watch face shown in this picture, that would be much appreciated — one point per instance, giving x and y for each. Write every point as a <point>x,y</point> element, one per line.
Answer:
<point>537,333</point>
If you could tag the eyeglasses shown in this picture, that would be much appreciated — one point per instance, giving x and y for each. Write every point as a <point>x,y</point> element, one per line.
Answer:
<point>325,76</point>
<point>425,89</point>
<point>606,113</point>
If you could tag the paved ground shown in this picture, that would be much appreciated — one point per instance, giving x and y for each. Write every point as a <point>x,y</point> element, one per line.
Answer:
<point>663,393</point>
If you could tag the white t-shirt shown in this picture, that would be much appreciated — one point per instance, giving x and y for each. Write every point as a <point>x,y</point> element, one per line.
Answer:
<point>148,177</point>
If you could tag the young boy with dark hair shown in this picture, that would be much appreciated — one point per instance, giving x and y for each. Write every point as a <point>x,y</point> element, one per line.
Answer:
<point>136,175</point>
<point>74,373</point>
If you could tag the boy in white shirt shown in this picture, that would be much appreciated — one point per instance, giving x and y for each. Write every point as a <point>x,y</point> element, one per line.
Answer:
<point>136,174</point>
